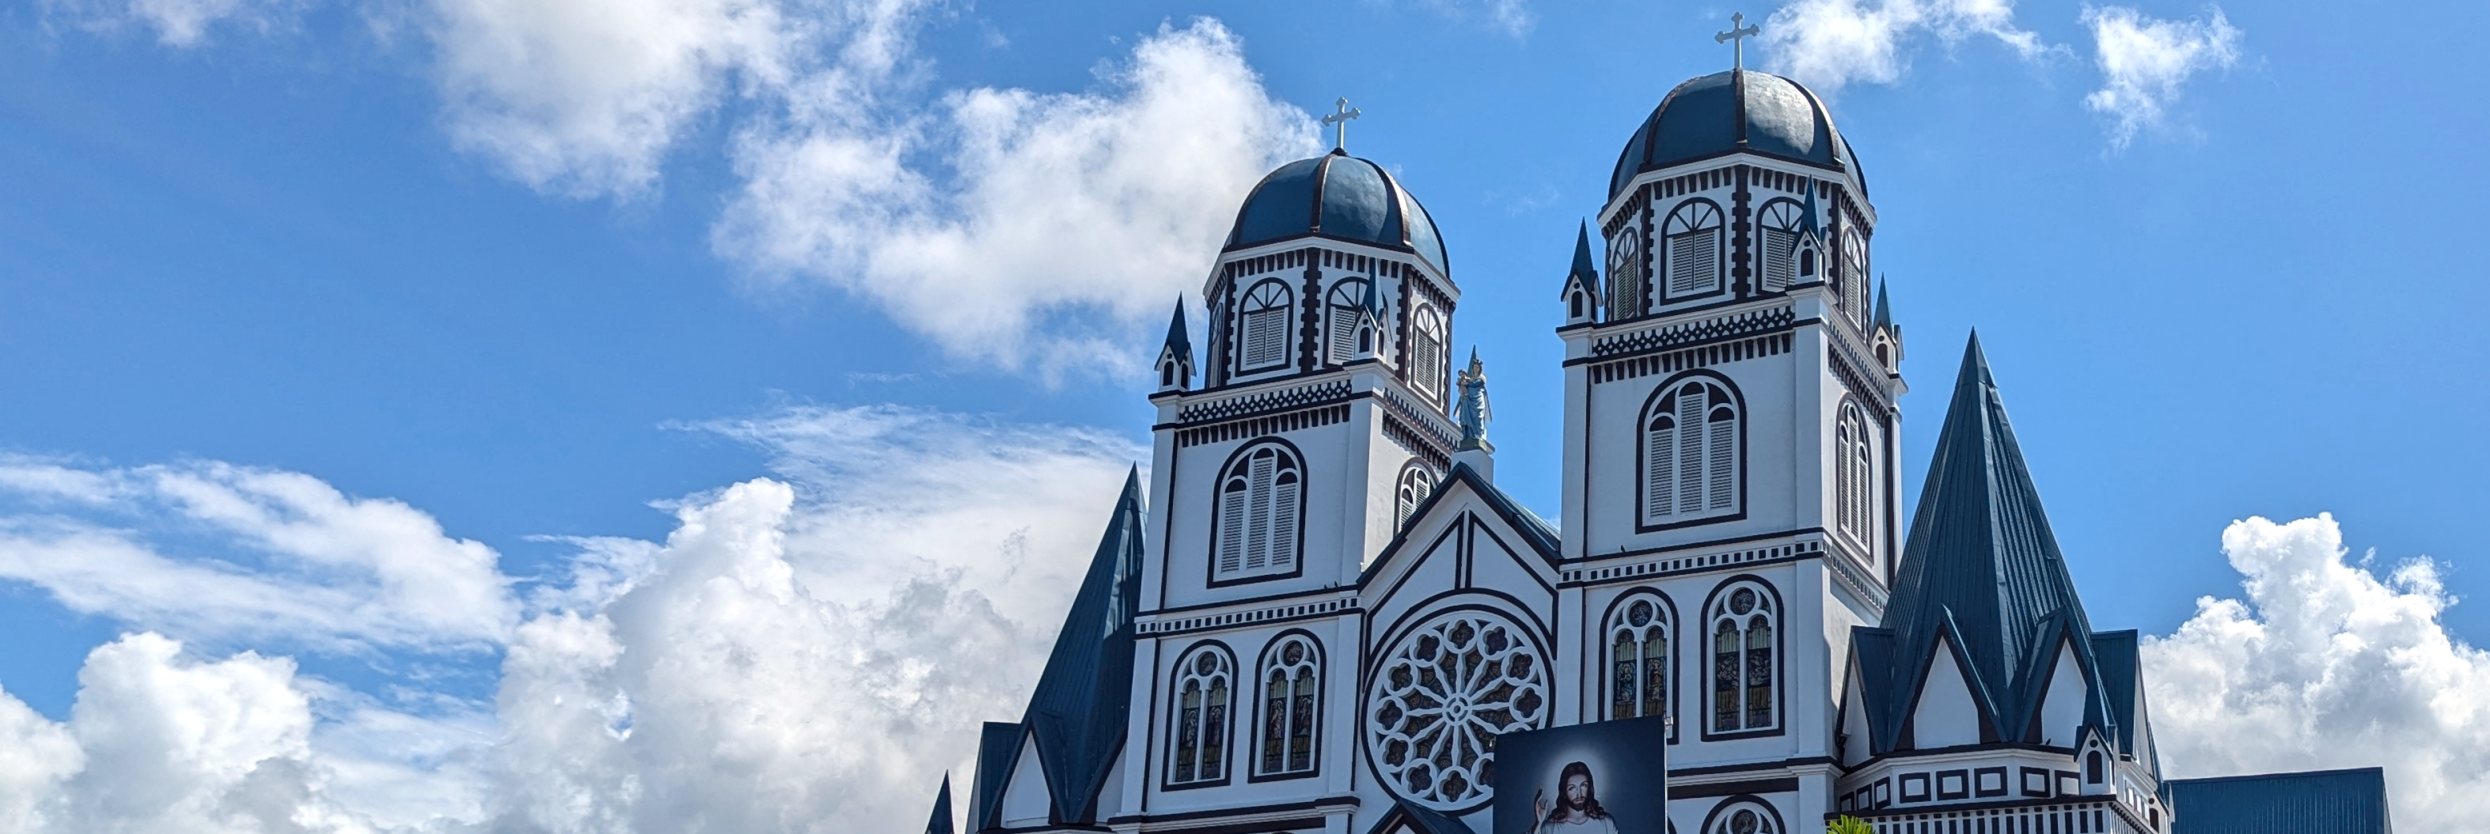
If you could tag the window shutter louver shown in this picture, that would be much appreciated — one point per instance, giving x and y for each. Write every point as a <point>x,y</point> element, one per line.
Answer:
<point>1659,477</point>
<point>1231,530</point>
<point>1343,335</point>
<point>1284,523</point>
<point>1780,246</point>
<point>1721,467</point>
<point>1264,337</point>
<point>1690,450</point>
<point>1694,261</point>
<point>1258,518</point>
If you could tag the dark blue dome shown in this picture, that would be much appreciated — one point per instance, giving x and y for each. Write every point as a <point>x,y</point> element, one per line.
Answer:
<point>1337,196</point>
<point>1739,110</point>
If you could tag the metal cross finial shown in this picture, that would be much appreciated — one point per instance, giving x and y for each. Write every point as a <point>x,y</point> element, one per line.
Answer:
<point>1341,119</point>
<point>1736,38</point>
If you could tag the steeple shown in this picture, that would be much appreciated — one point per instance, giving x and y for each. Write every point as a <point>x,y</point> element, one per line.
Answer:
<point>1175,365</point>
<point>1583,267</point>
<point>1884,312</point>
<point>1581,291</point>
<point>940,822</point>
<point>1981,570</point>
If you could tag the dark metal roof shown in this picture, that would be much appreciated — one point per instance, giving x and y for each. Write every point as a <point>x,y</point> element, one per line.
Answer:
<point>1338,196</point>
<point>1537,532</point>
<point>1983,572</point>
<point>940,822</point>
<point>2315,802</point>
<point>1077,714</point>
<point>1178,341</point>
<point>1584,268</point>
<point>998,744</point>
<point>1423,818</point>
<point>1738,110</point>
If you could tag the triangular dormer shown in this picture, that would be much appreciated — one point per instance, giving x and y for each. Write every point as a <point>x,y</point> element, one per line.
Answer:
<point>1175,362</point>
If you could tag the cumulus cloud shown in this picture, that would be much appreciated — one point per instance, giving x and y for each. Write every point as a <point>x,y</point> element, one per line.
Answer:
<point>1066,221</point>
<point>801,652</point>
<point>2144,62</point>
<point>235,554</point>
<point>1832,43</point>
<point>2324,664</point>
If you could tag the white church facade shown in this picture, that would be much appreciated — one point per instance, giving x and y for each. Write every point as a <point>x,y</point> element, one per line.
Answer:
<point>1319,611</point>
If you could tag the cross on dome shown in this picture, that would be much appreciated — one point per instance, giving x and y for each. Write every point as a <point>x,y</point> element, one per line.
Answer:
<point>1341,119</point>
<point>1736,38</point>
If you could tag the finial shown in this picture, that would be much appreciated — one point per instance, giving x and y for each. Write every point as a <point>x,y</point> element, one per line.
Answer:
<point>1340,142</point>
<point>1736,38</point>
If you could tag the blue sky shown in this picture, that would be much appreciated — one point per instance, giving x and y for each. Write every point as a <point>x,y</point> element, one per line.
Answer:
<point>556,279</point>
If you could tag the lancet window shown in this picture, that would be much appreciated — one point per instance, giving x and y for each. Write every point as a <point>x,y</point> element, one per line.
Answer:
<point>1261,504</point>
<point>1744,661</point>
<point>1638,657</point>
<point>1342,311</point>
<point>1782,226</point>
<point>1690,449</point>
<point>1426,352</point>
<point>1854,284</point>
<point>1263,336</point>
<point>1415,485</point>
<point>1854,493</point>
<point>1204,680</point>
<point>1625,275</point>
<point>1693,238</point>
<point>1291,674</point>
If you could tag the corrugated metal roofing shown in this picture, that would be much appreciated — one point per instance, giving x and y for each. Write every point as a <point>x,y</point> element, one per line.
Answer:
<point>1981,570</point>
<point>2315,802</point>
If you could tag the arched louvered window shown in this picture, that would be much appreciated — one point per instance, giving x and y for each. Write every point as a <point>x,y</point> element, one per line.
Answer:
<point>1692,258</point>
<point>1341,312</point>
<point>2092,767</point>
<point>1780,228</point>
<point>1426,350</point>
<point>1638,657</point>
<point>1854,493</point>
<point>1204,680</point>
<point>1690,449</point>
<point>1745,817</point>
<point>1263,327</point>
<point>1854,277</point>
<point>1416,484</point>
<point>1291,670</point>
<point>1625,274</point>
<point>1261,504</point>
<point>1744,662</point>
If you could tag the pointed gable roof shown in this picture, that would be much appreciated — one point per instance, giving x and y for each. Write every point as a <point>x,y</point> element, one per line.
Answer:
<point>1884,311</point>
<point>1179,343</point>
<point>1982,570</point>
<point>940,822</point>
<point>1583,267</point>
<point>1077,714</point>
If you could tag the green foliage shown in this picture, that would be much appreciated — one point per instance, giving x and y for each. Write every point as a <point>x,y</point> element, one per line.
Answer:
<point>1848,824</point>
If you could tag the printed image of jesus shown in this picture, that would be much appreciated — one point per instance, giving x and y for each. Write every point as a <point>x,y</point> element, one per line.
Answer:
<point>1577,809</point>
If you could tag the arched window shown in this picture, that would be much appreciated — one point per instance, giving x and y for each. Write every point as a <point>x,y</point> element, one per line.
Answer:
<point>1638,657</point>
<point>1416,484</point>
<point>1625,274</point>
<point>1573,305</point>
<point>1265,326</point>
<point>2092,767</point>
<point>1743,662</point>
<point>1854,476</point>
<point>1342,310</point>
<point>1291,670</point>
<point>1261,496</point>
<point>1693,236</point>
<point>1426,351</point>
<point>1745,817</point>
<point>1782,221</point>
<point>1854,277</point>
<point>1690,453</point>
<point>1204,680</point>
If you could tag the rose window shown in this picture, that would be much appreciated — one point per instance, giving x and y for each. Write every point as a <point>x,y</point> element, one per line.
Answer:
<point>1440,698</point>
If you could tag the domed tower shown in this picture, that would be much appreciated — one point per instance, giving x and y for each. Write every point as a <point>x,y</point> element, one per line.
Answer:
<point>1730,439</point>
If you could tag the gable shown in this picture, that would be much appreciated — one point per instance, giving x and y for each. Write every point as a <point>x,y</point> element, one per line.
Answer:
<point>1946,714</point>
<point>1025,802</point>
<point>1466,536</point>
<point>2062,704</point>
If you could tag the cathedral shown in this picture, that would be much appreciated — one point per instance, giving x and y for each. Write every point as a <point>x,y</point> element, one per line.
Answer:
<point>1318,613</point>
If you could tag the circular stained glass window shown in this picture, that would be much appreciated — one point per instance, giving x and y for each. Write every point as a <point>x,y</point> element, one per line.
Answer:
<point>1441,696</point>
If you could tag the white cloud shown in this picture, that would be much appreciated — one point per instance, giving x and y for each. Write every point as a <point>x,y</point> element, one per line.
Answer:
<point>2325,665</point>
<point>1832,43</point>
<point>2145,61</point>
<point>1067,221</point>
<point>233,554</point>
<point>1514,17</point>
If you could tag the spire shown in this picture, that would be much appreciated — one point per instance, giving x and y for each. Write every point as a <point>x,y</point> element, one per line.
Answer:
<point>1583,266</point>
<point>1078,711</point>
<point>1884,312</point>
<point>1813,222</point>
<point>941,821</point>
<point>1178,340</point>
<point>1178,353</point>
<point>1373,302</point>
<point>1982,567</point>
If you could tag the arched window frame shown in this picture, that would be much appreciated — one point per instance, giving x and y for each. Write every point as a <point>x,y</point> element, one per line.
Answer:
<point>1854,469</point>
<point>1625,272</point>
<point>1753,690</point>
<point>1691,254</point>
<point>1264,335</point>
<point>1854,278</point>
<point>1724,818</point>
<point>1342,309</point>
<point>1410,490</point>
<point>1661,500</point>
<point>1290,708</point>
<point>1258,506</point>
<point>1201,717</point>
<point>1638,660</point>
<point>1780,227</point>
<point>1427,346</point>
